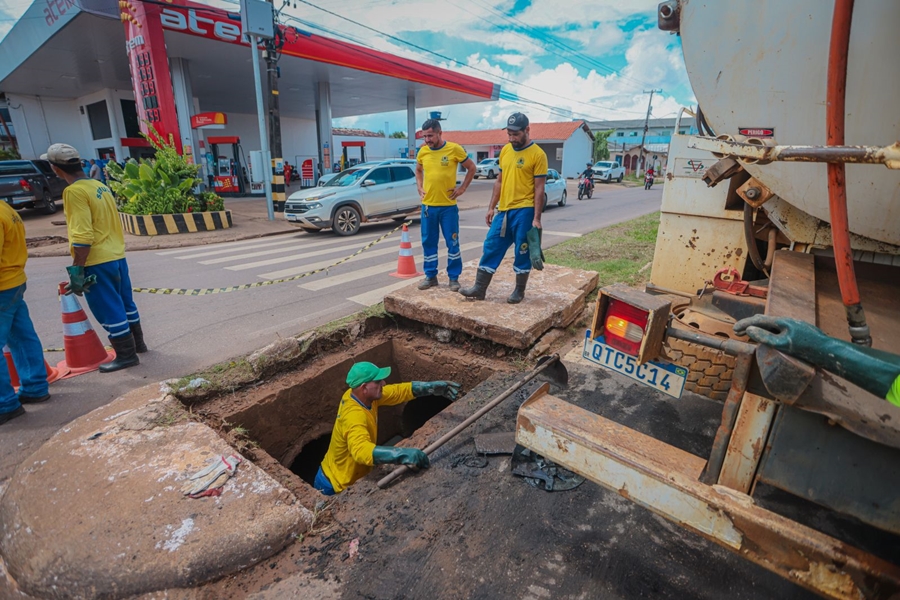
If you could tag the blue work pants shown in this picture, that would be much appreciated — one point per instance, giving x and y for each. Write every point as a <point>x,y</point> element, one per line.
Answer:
<point>110,298</point>
<point>437,220</point>
<point>322,483</point>
<point>17,332</point>
<point>508,228</point>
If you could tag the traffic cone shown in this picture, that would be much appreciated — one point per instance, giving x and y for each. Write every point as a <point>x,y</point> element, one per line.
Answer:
<point>53,373</point>
<point>406,263</point>
<point>84,350</point>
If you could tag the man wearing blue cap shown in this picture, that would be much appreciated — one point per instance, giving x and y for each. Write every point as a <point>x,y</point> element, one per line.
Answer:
<point>352,452</point>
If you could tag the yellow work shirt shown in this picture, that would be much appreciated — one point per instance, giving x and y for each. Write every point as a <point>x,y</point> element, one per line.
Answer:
<point>440,167</point>
<point>93,220</point>
<point>893,395</point>
<point>12,244</point>
<point>519,169</point>
<point>349,455</point>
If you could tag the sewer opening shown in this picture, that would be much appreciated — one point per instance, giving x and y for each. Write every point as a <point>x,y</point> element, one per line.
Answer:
<point>293,422</point>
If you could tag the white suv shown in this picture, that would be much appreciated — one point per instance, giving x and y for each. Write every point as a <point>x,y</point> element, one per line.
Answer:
<point>607,170</point>
<point>488,167</point>
<point>357,195</point>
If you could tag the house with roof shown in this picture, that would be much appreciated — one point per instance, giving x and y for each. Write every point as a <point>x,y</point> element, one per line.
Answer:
<point>569,144</point>
<point>625,139</point>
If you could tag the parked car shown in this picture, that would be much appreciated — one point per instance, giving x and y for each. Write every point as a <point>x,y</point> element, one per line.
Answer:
<point>488,167</point>
<point>555,188</point>
<point>30,184</point>
<point>405,161</point>
<point>607,170</point>
<point>386,189</point>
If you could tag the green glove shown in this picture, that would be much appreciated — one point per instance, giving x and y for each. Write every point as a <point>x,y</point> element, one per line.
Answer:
<point>78,283</point>
<point>534,248</point>
<point>385,455</point>
<point>445,389</point>
<point>873,370</point>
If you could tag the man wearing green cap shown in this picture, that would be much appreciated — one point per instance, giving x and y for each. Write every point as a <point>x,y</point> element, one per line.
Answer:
<point>352,451</point>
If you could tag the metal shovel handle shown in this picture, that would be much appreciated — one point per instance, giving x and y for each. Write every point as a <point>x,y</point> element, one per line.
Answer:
<point>551,360</point>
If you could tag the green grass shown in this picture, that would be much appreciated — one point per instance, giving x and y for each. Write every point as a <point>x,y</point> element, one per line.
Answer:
<point>618,253</point>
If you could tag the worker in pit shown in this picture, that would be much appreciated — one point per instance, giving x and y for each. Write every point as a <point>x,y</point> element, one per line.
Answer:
<point>99,270</point>
<point>436,166</point>
<point>875,371</point>
<point>352,451</point>
<point>519,192</point>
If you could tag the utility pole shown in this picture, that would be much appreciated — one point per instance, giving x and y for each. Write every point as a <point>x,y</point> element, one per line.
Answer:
<point>640,168</point>
<point>272,53</point>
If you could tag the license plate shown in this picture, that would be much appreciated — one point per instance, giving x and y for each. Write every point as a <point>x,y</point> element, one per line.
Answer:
<point>665,377</point>
<point>290,217</point>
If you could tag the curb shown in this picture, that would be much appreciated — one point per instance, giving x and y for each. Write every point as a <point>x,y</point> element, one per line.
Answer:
<point>175,223</point>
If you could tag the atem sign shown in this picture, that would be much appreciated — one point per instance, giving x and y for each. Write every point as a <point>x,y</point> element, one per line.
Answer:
<point>198,24</point>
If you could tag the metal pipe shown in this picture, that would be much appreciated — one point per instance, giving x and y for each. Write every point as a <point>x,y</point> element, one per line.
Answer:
<point>889,156</point>
<point>728,346</point>
<point>750,238</point>
<point>837,181</point>
<point>383,482</point>
<point>739,380</point>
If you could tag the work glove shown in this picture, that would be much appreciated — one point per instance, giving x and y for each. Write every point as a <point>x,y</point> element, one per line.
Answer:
<point>445,389</point>
<point>793,337</point>
<point>534,248</point>
<point>78,283</point>
<point>216,473</point>
<point>385,455</point>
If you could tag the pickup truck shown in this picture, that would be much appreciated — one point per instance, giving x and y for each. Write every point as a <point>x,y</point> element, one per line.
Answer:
<point>30,184</point>
<point>607,170</point>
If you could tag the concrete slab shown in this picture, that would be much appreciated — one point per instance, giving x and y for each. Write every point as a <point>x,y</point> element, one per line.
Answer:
<point>554,298</point>
<point>98,510</point>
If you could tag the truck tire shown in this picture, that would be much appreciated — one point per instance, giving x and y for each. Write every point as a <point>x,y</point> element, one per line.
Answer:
<point>48,204</point>
<point>709,371</point>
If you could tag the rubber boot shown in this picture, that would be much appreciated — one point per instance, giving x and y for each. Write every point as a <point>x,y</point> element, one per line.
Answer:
<point>519,293</point>
<point>138,333</point>
<point>454,285</point>
<point>126,355</point>
<point>428,282</point>
<point>477,291</point>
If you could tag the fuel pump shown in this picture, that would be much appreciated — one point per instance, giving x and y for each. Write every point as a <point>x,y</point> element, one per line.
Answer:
<point>229,177</point>
<point>345,161</point>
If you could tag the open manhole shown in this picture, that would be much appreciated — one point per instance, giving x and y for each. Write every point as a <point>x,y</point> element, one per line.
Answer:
<point>291,418</point>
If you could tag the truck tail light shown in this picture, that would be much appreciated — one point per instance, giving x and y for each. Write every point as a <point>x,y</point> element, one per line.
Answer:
<point>624,326</point>
<point>25,185</point>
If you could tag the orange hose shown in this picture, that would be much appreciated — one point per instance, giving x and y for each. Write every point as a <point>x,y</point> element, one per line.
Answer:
<point>834,117</point>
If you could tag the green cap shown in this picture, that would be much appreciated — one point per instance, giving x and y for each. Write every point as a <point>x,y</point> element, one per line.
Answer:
<point>364,372</point>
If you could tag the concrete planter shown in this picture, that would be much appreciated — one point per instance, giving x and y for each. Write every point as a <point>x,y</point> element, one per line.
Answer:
<point>177,223</point>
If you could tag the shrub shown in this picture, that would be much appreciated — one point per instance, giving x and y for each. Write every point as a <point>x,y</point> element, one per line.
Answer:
<point>161,185</point>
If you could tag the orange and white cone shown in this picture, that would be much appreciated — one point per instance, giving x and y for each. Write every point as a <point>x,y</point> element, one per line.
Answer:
<point>84,350</point>
<point>53,373</point>
<point>406,263</point>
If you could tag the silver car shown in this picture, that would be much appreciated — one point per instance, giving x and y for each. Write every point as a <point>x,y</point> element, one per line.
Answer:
<point>555,188</point>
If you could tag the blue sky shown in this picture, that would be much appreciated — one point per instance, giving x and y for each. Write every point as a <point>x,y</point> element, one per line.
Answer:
<point>582,59</point>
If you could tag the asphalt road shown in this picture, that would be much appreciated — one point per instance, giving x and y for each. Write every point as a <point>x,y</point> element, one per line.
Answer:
<point>186,334</point>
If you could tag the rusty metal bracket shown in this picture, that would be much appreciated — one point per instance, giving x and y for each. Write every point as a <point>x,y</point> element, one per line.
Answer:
<point>735,285</point>
<point>723,169</point>
<point>888,156</point>
<point>785,377</point>
<point>754,192</point>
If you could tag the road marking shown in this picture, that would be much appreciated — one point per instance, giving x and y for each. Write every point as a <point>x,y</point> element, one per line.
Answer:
<point>238,249</point>
<point>545,232</point>
<point>215,261</point>
<point>221,245</point>
<point>325,263</point>
<point>331,281</point>
<point>376,296</point>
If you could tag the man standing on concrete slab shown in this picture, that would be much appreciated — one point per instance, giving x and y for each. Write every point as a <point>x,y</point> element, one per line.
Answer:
<point>436,166</point>
<point>352,451</point>
<point>519,190</point>
<point>16,328</point>
<point>97,244</point>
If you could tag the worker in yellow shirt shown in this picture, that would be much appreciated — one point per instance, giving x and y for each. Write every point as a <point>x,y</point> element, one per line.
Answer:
<point>518,198</point>
<point>352,451</point>
<point>16,329</point>
<point>97,245</point>
<point>875,371</point>
<point>436,165</point>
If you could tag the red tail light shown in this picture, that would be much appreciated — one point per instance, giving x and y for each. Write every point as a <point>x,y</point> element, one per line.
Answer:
<point>25,185</point>
<point>624,326</point>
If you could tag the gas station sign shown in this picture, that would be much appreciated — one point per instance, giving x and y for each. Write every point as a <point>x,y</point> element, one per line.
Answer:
<point>209,120</point>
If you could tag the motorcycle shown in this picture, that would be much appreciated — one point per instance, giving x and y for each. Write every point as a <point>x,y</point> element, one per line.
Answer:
<point>648,180</point>
<point>585,187</point>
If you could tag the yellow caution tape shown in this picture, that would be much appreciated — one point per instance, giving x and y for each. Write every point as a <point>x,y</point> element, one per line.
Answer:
<point>247,286</point>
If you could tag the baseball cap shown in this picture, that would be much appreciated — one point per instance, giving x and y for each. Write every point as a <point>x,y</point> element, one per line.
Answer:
<point>62,154</point>
<point>516,122</point>
<point>364,372</point>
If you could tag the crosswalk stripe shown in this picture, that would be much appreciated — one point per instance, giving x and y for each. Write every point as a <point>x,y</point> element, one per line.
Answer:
<point>376,296</point>
<point>545,232</point>
<point>349,247</point>
<point>334,280</point>
<point>227,250</point>
<point>320,265</point>
<point>284,259</point>
<point>293,236</point>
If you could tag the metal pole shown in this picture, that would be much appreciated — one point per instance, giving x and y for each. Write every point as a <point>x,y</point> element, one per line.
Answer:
<point>640,168</point>
<point>263,134</point>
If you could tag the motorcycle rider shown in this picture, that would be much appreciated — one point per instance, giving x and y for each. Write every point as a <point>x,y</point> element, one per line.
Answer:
<point>589,174</point>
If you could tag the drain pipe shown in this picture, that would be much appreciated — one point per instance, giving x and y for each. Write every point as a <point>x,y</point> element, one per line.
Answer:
<point>837,181</point>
